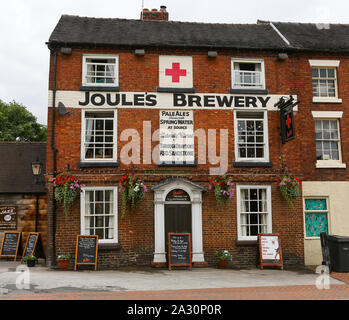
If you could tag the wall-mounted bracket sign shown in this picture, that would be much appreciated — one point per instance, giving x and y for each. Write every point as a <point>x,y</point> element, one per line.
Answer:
<point>33,246</point>
<point>11,244</point>
<point>86,251</point>
<point>270,252</point>
<point>179,250</point>
<point>8,217</point>
<point>286,118</point>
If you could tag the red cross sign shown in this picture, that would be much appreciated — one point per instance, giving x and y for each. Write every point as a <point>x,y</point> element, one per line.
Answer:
<point>176,72</point>
<point>288,121</point>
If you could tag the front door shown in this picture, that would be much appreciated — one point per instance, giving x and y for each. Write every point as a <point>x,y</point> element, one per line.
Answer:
<point>177,220</point>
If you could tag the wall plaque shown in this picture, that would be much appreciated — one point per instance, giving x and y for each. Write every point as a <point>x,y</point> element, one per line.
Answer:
<point>8,217</point>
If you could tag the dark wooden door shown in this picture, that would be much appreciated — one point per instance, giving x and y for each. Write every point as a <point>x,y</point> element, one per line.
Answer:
<point>177,219</point>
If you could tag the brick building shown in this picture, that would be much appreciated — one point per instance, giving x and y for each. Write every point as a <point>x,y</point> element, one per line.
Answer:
<point>118,87</point>
<point>20,192</point>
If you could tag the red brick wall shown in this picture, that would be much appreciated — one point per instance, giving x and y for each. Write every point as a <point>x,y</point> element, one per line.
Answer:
<point>136,229</point>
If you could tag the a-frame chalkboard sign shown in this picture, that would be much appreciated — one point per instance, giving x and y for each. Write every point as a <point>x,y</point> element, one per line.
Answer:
<point>33,246</point>
<point>179,250</point>
<point>270,251</point>
<point>86,251</point>
<point>11,244</point>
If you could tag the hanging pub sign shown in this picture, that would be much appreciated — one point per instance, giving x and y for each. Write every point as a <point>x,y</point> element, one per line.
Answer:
<point>287,125</point>
<point>8,217</point>
<point>286,118</point>
<point>270,252</point>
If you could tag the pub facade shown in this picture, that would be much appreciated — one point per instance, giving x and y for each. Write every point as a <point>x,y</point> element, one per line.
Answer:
<point>175,108</point>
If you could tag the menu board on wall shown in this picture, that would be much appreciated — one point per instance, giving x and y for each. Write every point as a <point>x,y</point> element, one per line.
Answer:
<point>176,137</point>
<point>270,250</point>
<point>8,217</point>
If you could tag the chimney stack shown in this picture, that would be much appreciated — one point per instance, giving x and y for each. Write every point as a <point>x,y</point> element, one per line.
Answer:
<point>154,14</point>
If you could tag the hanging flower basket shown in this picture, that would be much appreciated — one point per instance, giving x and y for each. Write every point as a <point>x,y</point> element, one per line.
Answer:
<point>223,188</point>
<point>133,190</point>
<point>289,189</point>
<point>67,187</point>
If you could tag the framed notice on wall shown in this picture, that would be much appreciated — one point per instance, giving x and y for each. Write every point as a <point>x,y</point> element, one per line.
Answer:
<point>8,217</point>
<point>270,252</point>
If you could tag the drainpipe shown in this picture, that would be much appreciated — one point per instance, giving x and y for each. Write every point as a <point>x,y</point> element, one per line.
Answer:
<point>54,153</point>
<point>37,212</point>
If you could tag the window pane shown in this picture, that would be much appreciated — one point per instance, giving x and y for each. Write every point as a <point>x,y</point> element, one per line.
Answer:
<point>315,204</point>
<point>315,223</point>
<point>323,73</point>
<point>330,73</point>
<point>315,73</point>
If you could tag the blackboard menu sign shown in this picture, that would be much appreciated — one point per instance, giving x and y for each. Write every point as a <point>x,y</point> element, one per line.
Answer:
<point>179,250</point>
<point>86,250</point>
<point>30,246</point>
<point>270,252</point>
<point>10,244</point>
<point>8,218</point>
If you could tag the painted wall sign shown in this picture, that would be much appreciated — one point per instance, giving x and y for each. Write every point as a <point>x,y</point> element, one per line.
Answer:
<point>8,217</point>
<point>270,250</point>
<point>176,136</point>
<point>155,100</point>
<point>178,195</point>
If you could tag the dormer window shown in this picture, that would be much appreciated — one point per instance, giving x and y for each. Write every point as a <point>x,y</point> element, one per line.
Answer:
<point>248,74</point>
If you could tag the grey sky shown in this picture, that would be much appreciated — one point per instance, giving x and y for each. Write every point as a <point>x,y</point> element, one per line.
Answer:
<point>25,26</point>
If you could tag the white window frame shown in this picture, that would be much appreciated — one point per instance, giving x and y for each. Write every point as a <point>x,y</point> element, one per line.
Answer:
<point>269,209</point>
<point>327,64</point>
<point>100,56</point>
<point>83,129</point>
<point>255,61</point>
<point>115,210</point>
<point>265,136</point>
<point>330,115</point>
<point>305,211</point>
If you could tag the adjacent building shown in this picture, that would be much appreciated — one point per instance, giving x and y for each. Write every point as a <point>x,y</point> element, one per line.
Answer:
<point>178,104</point>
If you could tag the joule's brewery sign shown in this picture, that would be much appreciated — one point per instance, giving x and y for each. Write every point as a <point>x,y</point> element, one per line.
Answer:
<point>161,100</point>
<point>176,137</point>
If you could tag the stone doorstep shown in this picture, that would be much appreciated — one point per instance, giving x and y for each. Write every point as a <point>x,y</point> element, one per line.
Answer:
<point>164,264</point>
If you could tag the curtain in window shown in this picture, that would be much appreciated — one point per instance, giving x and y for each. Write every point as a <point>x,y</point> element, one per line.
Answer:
<point>243,208</point>
<point>88,135</point>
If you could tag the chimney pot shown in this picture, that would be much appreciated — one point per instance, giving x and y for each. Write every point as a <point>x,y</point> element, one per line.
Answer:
<point>155,14</point>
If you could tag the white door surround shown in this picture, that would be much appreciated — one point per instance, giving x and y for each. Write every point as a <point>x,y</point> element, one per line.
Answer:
<point>160,192</point>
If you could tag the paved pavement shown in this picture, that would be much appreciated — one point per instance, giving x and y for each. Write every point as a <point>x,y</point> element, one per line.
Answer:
<point>150,283</point>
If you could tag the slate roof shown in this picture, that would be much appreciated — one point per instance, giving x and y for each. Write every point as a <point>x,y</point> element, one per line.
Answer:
<point>319,37</point>
<point>15,166</point>
<point>75,30</point>
<point>97,31</point>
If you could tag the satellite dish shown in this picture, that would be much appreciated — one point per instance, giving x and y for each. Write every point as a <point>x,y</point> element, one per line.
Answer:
<point>62,109</point>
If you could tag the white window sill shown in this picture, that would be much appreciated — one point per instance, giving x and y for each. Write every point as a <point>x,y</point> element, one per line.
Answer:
<point>326,100</point>
<point>323,164</point>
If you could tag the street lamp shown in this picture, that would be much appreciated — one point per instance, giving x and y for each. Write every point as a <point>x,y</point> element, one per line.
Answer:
<point>36,169</point>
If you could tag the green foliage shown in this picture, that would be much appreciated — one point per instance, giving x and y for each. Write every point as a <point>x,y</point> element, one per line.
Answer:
<point>223,255</point>
<point>18,124</point>
<point>26,258</point>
